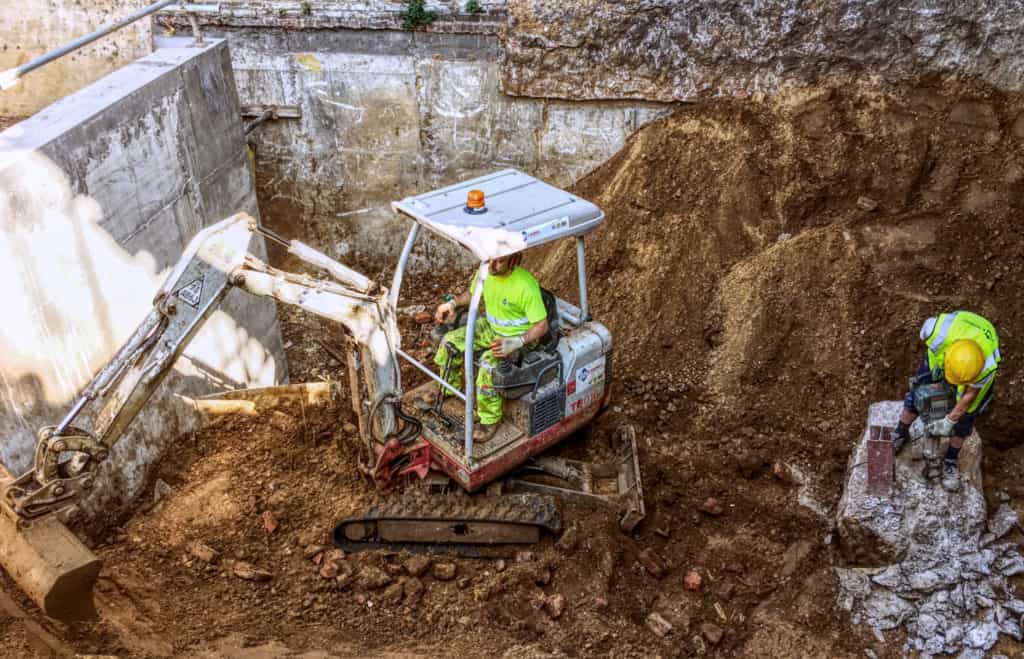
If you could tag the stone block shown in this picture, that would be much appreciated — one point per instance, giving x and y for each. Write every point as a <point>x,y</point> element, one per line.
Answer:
<point>876,530</point>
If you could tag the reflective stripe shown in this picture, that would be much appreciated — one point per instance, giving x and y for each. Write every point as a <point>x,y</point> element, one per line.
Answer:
<point>487,367</point>
<point>928,327</point>
<point>982,382</point>
<point>515,322</point>
<point>991,362</point>
<point>940,336</point>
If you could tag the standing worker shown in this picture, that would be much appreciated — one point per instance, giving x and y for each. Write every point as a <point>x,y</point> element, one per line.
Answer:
<point>963,347</point>
<point>515,319</point>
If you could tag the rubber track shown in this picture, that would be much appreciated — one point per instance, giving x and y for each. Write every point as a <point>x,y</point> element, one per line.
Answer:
<point>530,509</point>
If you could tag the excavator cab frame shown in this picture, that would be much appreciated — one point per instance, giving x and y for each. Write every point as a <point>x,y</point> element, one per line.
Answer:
<point>493,216</point>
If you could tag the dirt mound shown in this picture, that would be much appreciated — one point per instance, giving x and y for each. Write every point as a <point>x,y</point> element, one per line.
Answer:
<point>778,258</point>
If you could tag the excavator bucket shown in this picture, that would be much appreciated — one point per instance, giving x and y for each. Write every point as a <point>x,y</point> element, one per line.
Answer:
<point>50,565</point>
<point>616,484</point>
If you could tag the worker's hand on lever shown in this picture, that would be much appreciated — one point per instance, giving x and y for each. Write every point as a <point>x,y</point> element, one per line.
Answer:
<point>445,313</point>
<point>507,346</point>
<point>942,427</point>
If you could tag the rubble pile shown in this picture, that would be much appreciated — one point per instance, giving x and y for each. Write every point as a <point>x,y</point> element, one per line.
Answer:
<point>946,579</point>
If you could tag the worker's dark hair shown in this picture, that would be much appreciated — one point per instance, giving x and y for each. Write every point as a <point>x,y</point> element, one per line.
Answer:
<point>514,260</point>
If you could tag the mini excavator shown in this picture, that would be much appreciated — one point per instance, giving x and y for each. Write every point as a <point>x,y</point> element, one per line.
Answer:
<point>549,393</point>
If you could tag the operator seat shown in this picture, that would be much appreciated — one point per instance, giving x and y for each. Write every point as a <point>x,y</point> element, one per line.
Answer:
<point>533,368</point>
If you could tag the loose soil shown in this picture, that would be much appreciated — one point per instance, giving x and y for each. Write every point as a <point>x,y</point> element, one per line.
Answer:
<point>764,268</point>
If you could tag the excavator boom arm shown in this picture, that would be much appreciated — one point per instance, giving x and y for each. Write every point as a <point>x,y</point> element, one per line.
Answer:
<point>216,260</point>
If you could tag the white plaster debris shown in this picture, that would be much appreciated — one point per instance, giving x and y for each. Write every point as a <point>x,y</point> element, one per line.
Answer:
<point>948,588</point>
<point>806,496</point>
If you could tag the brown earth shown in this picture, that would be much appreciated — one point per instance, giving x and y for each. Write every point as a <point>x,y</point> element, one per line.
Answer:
<point>765,268</point>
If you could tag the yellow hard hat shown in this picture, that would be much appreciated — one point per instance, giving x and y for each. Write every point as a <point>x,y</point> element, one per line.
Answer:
<point>963,362</point>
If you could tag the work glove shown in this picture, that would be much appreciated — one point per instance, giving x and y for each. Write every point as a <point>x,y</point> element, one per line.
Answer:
<point>508,345</point>
<point>444,312</point>
<point>941,428</point>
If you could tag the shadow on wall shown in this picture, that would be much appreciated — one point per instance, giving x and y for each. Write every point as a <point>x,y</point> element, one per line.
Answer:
<point>73,295</point>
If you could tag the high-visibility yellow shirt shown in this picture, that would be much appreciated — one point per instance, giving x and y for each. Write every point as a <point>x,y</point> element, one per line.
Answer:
<point>512,302</point>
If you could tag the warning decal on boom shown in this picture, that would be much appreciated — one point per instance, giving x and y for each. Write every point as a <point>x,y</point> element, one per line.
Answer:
<point>192,293</point>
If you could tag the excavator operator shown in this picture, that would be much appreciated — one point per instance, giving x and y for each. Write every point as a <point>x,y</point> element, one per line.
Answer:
<point>963,347</point>
<point>515,319</point>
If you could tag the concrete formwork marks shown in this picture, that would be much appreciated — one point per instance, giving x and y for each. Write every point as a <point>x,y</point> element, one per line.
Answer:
<point>378,126</point>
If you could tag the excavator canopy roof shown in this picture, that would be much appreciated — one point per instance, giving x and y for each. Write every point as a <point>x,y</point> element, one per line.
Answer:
<point>519,212</point>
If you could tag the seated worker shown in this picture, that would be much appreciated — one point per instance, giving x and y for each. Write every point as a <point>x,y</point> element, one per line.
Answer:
<point>515,319</point>
<point>963,348</point>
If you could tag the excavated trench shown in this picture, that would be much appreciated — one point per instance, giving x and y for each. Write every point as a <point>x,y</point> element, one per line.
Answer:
<point>764,268</point>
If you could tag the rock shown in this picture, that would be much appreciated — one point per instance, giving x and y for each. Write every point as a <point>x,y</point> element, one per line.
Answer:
<point>711,507</point>
<point>281,421</point>
<point>270,522</point>
<point>651,562</point>
<point>349,428</point>
<point>692,581</point>
<point>463,583</point>
<point>330,569</point>
<point>161,490</point>
<point>417,564</point>
<point>866,204</point>
<point>500,565</point>
<point>413,589</point>
<point>525,557</point>
<point>878,530</point>
<point>392,595</point>
<point>371,577</point>
<point>202,551</point>
<point>712,632</point>
<point>554,605</point>
<point>657,624</point>
<point>1011,565</point>
<point>423,317</point>
<point>570,538</point>
<point>346,575</point>
<point>1003,521</point>
<point>310,551</point>
<point>443,571</point>
<point>247,571</point>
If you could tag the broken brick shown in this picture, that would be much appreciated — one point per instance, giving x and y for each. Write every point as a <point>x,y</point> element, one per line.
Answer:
<point>711,506</point>
<point>652,563</point>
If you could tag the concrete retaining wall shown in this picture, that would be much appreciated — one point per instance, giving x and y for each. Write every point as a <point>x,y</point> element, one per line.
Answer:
<point>29,29</point>
<point>387,113</point>
<point>99,194</point>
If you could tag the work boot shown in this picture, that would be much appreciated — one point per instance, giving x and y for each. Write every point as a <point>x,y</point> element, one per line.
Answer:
<point>484,432</point>
<point>901,437</point>
<point>950,476</point>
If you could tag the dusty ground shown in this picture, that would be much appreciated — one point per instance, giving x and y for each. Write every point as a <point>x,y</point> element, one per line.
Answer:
<point>764,268</point>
